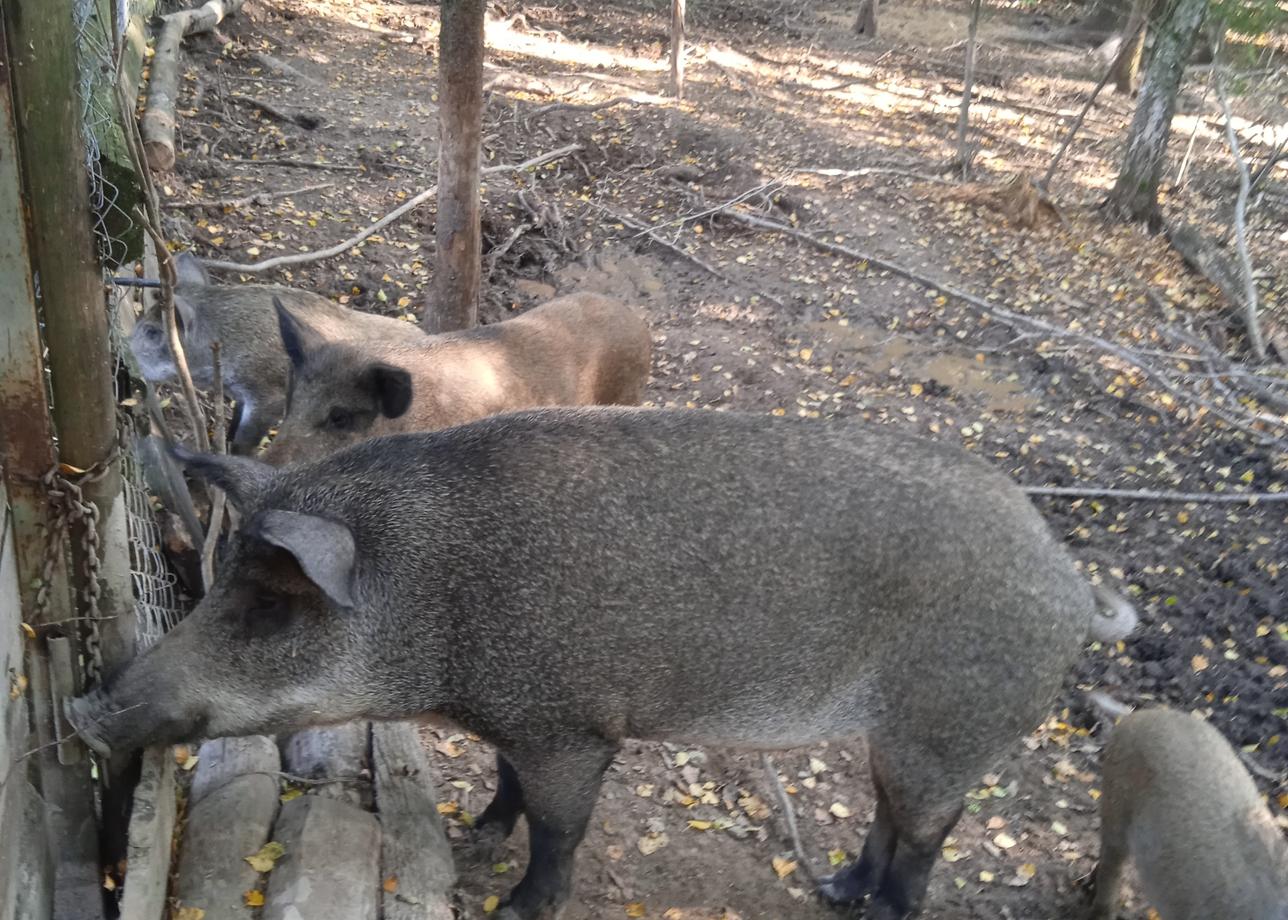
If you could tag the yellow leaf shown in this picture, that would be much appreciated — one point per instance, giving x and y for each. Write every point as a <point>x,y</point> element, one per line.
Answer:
<point>835,857</point>
<point>1028,870</point>
<point>268,854</point>
<point>253,898</point>
<point>291,794</point>
<point>491,903</point>
<point>985,876</point>
<point>1199,663</point>
<point>1005,841</point>
<point>390,885</point>
<point>779,412</point>
<point>700,825</point>
<point>189,913</point>
<point>783,867</point>
<point>807,353</point>
<point>448,808</point>
<point>839,810</point>
<point>916,389</point>
<point>635,909</point>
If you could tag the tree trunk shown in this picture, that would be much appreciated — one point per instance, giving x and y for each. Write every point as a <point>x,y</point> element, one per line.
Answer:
<point>460,129</point>
<point>677,49</point>
<point>1135,195</point>
<point>1127,64</point>
<point>865,23</point>
<point>964,153</point>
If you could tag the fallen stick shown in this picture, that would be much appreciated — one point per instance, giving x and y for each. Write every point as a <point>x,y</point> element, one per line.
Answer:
<point>648,231</point>
<point>218,499</point>
<point>408,205</point>
<point>157,123</point>
<point>305,120</point>
<point>789,817</point>
<point>1151,495</point>
<point>831,173</point>
<point>1012,319</point>
<point>254,198</point>
<point>294,164</point>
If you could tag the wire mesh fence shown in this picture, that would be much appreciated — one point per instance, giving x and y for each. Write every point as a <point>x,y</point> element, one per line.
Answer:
<point>100,50</point>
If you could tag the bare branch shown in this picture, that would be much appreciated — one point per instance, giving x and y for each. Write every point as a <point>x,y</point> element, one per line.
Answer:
<point>409,205</point>
<point>1250,318</point>
<point>254,198</point>
<point>1222,498</point>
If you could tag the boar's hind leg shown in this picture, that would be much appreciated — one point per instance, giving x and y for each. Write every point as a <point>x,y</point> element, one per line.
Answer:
<point>559,790</point>
<point>925,805</point>
<point>855,882</point>
<point>499,817</point>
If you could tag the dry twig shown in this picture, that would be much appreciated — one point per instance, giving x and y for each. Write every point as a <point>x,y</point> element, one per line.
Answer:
<point>260,197</point>
<point>789,817</point>
<point>1152,495</point>
<point>409,205</point>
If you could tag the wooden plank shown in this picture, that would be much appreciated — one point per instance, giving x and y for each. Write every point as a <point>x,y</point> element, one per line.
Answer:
<point>231,809</point>
<point>151,829</point>
<point>331,866</point>
<point>416,867</point>
<point>335,758</point>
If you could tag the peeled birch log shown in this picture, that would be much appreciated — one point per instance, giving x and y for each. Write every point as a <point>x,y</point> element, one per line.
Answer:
<point>157,124</point>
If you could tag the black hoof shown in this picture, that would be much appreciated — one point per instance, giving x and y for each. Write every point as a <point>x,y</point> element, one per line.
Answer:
<point>842,888</point>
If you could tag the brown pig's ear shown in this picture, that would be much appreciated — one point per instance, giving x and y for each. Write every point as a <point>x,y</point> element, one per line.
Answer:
<point>323,548</point>
<point>242,478</point>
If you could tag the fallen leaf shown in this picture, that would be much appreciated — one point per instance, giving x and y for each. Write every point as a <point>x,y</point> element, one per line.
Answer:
<point>700,825</point>
<point>268,854</point>
<point>635,909</point>
<point>652,843</point>
<point>189,913</point>
<point>253,898</point>
<point>1005,841</point>
<point>390,885</point>
<point>839,810</point>
<point>835,857</point>
<point>1199,663</point>
<point>491,903</point>
<point>783,867</point>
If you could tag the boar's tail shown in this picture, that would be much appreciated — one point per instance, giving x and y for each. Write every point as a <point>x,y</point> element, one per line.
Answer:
<point>1108,708</point>
<point>1114,618</point>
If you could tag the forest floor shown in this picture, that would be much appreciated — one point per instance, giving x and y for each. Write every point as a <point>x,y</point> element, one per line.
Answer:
<point>777,93</point>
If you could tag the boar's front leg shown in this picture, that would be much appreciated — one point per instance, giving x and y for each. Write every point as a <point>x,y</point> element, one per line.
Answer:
<point>855,882</point>
<point>559,786</point>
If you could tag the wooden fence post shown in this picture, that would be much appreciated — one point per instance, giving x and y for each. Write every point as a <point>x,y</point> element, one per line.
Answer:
<point>65,809</point>
<point>460,130</point>
<point>42,43</point>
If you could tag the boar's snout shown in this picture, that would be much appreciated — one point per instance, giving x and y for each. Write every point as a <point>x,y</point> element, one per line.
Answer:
<point>88,715</point>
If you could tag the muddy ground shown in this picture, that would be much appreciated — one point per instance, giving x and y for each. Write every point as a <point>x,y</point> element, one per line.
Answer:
<point>778,92</point>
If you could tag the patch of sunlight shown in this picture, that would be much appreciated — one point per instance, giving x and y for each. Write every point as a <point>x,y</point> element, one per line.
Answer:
<point>502,36</point>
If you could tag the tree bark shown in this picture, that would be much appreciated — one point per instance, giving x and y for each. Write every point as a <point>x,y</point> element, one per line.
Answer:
<point>865,23</point>
<point>1135,194</point>
<point>677,49</point>
<point>460,129</point>
<point>1127,64</point>
<point>964,153</point>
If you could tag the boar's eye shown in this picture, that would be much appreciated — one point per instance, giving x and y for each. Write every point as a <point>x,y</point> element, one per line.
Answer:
<point>266,613</point>
<point>339,419</point>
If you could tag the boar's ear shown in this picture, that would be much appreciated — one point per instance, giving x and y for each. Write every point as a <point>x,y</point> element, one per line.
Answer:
<point>323,548</point>
<point>392,387</point>
<point>297,337</point>
<point>189,270</point>
<point>185,314</point>
<point>242,478</point>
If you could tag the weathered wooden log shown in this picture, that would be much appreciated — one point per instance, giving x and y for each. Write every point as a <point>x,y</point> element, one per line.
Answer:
<point>331,866</point>
<point>231,809</point>
<point>335,759</point>
<point>151,829</point>
<point>158,121</point>
<point>416,866</point>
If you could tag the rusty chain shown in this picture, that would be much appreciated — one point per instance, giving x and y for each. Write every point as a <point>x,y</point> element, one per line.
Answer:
<point>64,485</point>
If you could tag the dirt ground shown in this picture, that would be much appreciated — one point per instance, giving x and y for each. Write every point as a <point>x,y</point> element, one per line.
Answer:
<point>776,93</point>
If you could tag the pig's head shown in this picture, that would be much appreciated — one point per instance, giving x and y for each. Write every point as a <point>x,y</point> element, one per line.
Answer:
<point>149,342</point>
<point>337,392</point>
<point>277,643</point>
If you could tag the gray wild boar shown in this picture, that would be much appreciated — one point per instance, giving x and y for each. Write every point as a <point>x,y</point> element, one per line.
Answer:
<point>581,349</point>
<point>559,580</point>
<point>241,318</point>
<point>1181,806</point>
